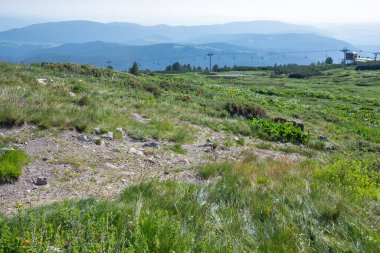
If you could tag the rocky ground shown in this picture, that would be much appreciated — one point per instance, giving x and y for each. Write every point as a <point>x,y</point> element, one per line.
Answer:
<point>102,167</point>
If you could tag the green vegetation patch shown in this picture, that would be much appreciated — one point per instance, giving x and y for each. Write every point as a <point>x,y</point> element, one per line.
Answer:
<point>283,132</point>
<point>11,164</point>
<point>339,103</point>
<point>358,177</point>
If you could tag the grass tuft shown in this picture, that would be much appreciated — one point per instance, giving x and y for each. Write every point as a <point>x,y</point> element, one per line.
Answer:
<point>11,163</point>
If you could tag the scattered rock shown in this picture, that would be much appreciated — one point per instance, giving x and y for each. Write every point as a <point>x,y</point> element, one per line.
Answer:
<point>150,160</point>
<point>135,151</point>
<point>323,138</point>
<point>7,149</point>
<point>137,117</point>
<point>120,130</point>
<point>72,94</point>
<point>329,146</point>
<point>151,145</point>
<point>99,142</point>
<point>53,249</point>
<point>84,138</point>
<point>111,166</point>
<point>108,136</point>
<point>41,181</point>
<point>3,150</point>
<point>97,131</point>
<point>44,159</point>
<point>41,81</point>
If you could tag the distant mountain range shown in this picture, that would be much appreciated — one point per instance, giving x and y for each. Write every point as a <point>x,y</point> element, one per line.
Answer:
<point>129,33</point>
<point>154,47</point>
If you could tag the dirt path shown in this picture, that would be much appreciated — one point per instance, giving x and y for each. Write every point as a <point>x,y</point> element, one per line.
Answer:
<point>76,169</point>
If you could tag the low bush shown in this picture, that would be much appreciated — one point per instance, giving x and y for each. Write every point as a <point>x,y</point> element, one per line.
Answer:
<point>297,71</point>
<point>369,66</point>
<point>11,163</point>
<point>244,109</point>
<point>81,69</point>
<point>275,131</point>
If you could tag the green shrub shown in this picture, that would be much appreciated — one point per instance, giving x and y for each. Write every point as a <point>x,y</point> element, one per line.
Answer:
<point>368,66</point>
<point>296,71</point>
<point>305,74</point>
<point>275,131</point>
<point>11,163</point>
<point>244,109</point>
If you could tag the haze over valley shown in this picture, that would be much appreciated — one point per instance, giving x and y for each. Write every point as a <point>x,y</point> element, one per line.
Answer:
<point>256,43</point>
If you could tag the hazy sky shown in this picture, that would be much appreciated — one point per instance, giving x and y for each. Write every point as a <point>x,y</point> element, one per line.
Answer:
<point>190,12</point>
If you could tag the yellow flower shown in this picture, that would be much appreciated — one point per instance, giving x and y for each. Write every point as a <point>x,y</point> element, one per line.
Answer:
<point>20,205</point>
<point>23,247</point>
<point>27,241</point>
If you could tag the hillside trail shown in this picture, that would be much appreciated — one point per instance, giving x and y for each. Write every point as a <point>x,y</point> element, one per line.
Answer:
<point>76,169</point>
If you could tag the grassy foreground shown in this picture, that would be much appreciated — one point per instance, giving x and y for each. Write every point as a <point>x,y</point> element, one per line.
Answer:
<point>251,206</point>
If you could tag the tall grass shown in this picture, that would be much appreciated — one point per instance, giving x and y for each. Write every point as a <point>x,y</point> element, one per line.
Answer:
<point>11,163</point>
<point>250,206</point>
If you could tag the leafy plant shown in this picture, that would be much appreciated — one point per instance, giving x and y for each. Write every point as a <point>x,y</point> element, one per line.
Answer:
<point>274,131</point>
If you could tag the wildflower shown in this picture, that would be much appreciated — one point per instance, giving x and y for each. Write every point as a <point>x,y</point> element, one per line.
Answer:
<point>27,241</point>
<point>23,247</point>
<point>20,205</point>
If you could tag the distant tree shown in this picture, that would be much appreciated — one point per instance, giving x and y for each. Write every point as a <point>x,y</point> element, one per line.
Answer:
<point>329,60</point>
<point>110,67</point>
<point>169,68</point>
<point>215,68</point>
<point>177,66</point>
<point>134,70</point>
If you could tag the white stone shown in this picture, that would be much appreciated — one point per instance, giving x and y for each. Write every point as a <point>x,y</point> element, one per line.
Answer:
<point>135,152</point>
<point>41,81</point>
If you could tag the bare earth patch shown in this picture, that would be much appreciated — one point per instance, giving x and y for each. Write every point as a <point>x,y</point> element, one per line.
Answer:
<point>77,169</point>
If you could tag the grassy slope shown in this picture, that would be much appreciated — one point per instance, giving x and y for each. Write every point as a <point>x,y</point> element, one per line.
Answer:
<point>335,103</point>
<point>254,205</point>
<point>326,204</point>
